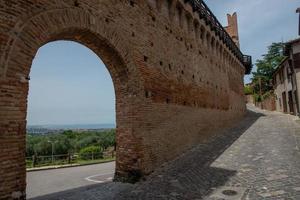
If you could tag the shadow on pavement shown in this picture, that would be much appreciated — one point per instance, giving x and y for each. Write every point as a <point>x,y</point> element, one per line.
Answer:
<point>191,176</point>
<point>188,177</point>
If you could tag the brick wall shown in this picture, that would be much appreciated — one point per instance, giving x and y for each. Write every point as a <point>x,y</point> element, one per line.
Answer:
<point>267,104</point>
<point>176,82</point>
<point>249,99</point>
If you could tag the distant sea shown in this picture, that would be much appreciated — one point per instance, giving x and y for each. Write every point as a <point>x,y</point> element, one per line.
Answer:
<point>72,126</point>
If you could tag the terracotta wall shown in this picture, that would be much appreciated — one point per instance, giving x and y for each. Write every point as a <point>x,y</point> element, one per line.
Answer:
<point>267,104</point>
<point>176,81</point>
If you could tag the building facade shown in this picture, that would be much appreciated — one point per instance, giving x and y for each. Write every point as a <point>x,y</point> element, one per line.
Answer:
<point>286,80</point>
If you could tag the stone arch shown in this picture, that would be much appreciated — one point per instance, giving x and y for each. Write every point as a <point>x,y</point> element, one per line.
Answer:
<point>217,48</point>
<point>196,29</point>
<point>72,24</point>
<point>155,115</point>
<point>179,14</point>
<point>165,8</point>
<point>212,44</point>
<point>153,3</point>
<point>221,52</point>
<point>76,25</point>
<point>202,33</point>
<point>188,22</point>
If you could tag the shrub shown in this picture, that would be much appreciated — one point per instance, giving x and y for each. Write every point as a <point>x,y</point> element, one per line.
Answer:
<point>248,90</point>
<point>257,98</point>
<point>91,152</point>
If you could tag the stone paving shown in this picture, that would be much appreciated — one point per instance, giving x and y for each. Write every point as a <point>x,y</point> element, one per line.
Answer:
<point>257,159</point>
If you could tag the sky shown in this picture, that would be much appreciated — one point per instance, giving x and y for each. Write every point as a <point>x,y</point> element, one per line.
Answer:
<point>260,22</point>
<point>71,85</point>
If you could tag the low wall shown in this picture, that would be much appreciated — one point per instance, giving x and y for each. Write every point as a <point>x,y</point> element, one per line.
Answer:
<point>267,104</point>
<point>249,99</point>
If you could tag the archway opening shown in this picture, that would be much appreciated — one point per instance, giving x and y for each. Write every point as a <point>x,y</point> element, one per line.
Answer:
<point>70,119</point>
<point>113,47</point>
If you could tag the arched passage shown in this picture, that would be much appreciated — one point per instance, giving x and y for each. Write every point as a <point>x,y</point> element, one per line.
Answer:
<point>72,25</point>
<point>70,87</point>
<point>170,94</point>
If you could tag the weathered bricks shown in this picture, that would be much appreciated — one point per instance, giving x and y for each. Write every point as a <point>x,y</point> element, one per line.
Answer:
<point>176,82</point>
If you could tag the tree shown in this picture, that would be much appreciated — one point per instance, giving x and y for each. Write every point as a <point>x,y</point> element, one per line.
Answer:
<point>43,148</point>
<point>63,146</point>
<point>89,140</point>
<point>266,67</point>
<point>68,142</point>
<point>248,90</point>
<point>93,152</point>
<point>31,144</point>
<point>107,139</point>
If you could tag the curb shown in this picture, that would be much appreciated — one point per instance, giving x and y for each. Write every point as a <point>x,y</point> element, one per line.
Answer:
<point>66,166</point>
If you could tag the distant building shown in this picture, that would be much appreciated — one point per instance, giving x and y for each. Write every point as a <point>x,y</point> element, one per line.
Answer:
<point>37,130</point>
<point>286,79</point>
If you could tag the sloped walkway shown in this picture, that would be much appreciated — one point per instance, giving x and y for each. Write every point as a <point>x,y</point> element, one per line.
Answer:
<point>257,159</point>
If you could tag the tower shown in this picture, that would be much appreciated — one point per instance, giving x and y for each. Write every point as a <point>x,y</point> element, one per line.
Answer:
<point>232,28</point>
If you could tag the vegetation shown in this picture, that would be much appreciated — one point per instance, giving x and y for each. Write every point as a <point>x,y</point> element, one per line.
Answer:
<point>248,90</point>
<point>91,150</point>
<point>61,162</point>
<point>262,78</point>
<point>69,142</point>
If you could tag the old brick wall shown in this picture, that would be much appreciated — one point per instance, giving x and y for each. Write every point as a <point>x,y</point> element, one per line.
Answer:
<point>269,103</point>
<point>176,82</point>
<point>249,99</point>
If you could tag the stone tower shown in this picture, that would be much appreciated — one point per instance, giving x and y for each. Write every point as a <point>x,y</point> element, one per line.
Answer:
<point>232,28</point>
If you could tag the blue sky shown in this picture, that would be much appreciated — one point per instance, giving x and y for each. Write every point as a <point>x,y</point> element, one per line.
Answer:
<point>261,22</point>
<point>70,84</point>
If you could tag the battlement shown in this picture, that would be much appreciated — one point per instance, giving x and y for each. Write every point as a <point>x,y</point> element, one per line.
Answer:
<point>229,34</point>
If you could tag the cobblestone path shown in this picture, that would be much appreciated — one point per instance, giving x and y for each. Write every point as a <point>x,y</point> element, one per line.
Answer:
<point>257,159</point>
